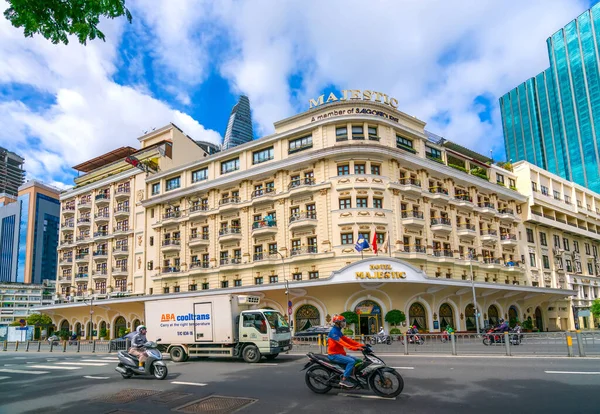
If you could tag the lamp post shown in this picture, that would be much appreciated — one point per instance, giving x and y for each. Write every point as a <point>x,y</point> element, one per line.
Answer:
<point>287,285</point>
<point>474,298</point>
<point>91,314</point>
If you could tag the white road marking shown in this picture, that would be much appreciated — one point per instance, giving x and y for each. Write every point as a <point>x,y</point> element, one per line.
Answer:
<point>91,377</point>
<point>84,364</point>
<point>265,364</point>
<point>9,365</point>
<point>95,360</point>
<point>23,371</point>
<point>1,378</point>
<point>370,397</point>
<point>403,367</point>
<point>110,359</point>
<point>197,384</point>
<point>52,367</point>
<point>573,372</point>
<point>20,357</point>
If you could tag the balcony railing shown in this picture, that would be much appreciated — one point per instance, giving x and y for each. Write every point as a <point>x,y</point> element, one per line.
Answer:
<point>171,215</point>
<point>296,251</point>
<point>101,216</point>
<point>199,236</point>
<point>264,224</point>
<point>101,234</point>
<point>414,249</point>
<point>69,208</point>
<point>100,253</point>
<point>100,272</point>
<point>66,242</point>
<point>121,249</point>
<point>84,203</point>
<point>491,260</point>
<point>171,242</point>
<point>263,191</point>
<point>123,191</point>
<point>81,275</point>
<point>199,265</point>
<point>410,181</point>
<point>305,215</point>
<point>507,211</point>
<point>121,210</point>
<point>487,204</point>
<point>119,269</point>
<point>229,200</point>
<point>230,261</point>
<point>83,238</point>
<point>199,207</point>
<point>441,220</point>
<point>171,269</point>
<point>508,236</point>
<point>489,232</point>
<point>66,260</point>
<point>464,197</point>
<point>438,190</point>
<point>84,220</point>
<point>443,253</point>
<point>301,182</point>
<point>121,229</point>
<point>69,224</point>
<point>82,257</point>
<point>102,197</point>
<point>229,230</point>
<point>412,214</point>
<point>466,227</point>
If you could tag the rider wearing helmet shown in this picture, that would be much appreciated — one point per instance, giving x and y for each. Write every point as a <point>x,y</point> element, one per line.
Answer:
<point>336,342</point>
<point>503,327</point>
<point>137,346</point>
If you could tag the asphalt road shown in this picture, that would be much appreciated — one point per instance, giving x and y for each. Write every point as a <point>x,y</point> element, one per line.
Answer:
<point>52,383</point>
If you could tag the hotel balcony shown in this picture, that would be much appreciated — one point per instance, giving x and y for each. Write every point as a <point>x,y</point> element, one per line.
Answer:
<point>64,280</point>
<point>508,239</point>
<point>263,193</point>
<point>199,265</point>
<point>508,214</point>
<point>84,205</point>
<point>229,203</point>
<point>230,233</point>
<point>102,199</point>
<point>102,235</point>
<point>68,210</point>
<point>487,209</point>
<point>466,231</point>
<point>463,200</point>
<point>413,219</point>
<point>170,270</point>
<point>100,255</point>
<point>121,212</point>
<point>443,255</point>
<point>299,251</point>
<point>99,274</point>
<point>199,239</point>
<point>441,225</point>
<point>407,185</point>
<point>302,185</point>
<point>120,230</point>
<point>122,193</point>
<point>121,251</point>
<point>489,235</point>
<point>262,227</point>
<point>120,271</point>
<point>83,239</point>
<point>266,257</point>
<point>82,258</point>
<point>81,275</point>
<point>84,222</point>
<point>171,245</point>
<point>414,252</point>
<point>68,226</point>
<point>307,219</point>
<point>67,242</point>
<point>439,193</point>
<point>230,261</point>
<point>172,216</point>
<point>66,261</point>
<point>197,210</point>
<point>101,217</point>
<point>491,263</point>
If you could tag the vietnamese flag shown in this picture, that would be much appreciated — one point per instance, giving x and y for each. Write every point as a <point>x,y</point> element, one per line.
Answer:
<point>374,243</point>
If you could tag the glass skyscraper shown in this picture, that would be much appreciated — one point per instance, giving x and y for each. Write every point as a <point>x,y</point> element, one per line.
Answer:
<point>553,119</point>
<point>239,127</point>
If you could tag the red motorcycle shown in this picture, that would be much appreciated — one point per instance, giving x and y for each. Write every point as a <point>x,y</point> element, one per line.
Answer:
<point>493,337</point>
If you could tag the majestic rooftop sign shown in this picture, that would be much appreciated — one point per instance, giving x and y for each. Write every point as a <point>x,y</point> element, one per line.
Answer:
<point>355,94</point>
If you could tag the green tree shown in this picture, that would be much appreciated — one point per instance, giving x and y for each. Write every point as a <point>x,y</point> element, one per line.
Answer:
<point>37,319</point>
<point>56,19</point>
<point>351,317</point>
<point>15,323</point>
<point>395,317</point>
<point>595,309</point>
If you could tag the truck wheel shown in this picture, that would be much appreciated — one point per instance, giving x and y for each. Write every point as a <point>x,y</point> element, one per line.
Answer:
<point>177,354</point>
<point>251,354</point>
<point>271,357</point>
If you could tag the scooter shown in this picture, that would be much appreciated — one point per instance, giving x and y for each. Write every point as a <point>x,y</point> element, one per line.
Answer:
<point>154,365</point>
<point>380,339</point>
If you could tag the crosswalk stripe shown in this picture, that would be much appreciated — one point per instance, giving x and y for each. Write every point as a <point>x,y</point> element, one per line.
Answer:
<point>52,367</point>
<point>92,377</point>
<point>110,359</point>
<point>83,364</point>
<point>1,378</point>
<point>23,371</point>
<point>197,384</point>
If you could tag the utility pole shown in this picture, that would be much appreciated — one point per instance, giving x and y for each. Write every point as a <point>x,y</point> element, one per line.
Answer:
<point>287,285</point>
<point>474,297</point>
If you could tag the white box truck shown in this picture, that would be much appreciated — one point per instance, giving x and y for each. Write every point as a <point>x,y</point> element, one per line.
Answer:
<point>218,325</point>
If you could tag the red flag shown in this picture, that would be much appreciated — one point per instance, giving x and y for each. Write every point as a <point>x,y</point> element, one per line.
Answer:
<point>374,243</point>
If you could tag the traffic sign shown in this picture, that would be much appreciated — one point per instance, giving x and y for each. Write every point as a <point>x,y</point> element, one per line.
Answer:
<point>22,322</point>
<point>290,310</point>
<point>289,304</point>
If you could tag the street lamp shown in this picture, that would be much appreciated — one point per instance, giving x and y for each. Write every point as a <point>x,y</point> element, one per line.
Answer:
<point>91,331</point>
<point>473,287</point>
<point>287,285</point>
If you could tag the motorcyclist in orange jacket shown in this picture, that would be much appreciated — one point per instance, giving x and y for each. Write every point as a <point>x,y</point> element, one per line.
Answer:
<point>336,342</point>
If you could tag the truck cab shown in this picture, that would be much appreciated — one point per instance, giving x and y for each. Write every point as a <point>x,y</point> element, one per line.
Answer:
<point>266,329</point>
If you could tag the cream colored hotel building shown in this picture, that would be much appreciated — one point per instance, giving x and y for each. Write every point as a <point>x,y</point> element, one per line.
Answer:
<point>290,207</point>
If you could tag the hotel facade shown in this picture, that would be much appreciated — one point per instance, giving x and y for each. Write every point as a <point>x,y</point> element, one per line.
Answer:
<point>280,217</point>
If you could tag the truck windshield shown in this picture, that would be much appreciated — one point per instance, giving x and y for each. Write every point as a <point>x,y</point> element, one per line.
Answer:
<point>277,322</point>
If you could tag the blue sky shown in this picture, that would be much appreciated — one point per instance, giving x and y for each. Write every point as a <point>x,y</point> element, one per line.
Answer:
<point>186,62</point>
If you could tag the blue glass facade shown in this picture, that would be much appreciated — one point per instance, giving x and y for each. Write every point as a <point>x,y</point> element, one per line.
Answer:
<point>553,119</point>
<point>239,126</point>
<point>7,233</point>
<point>23,226</point>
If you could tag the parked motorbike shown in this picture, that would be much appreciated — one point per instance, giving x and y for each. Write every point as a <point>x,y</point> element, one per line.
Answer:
<point>380,339</point>
<point>154,365</point>
<point>372,373</point>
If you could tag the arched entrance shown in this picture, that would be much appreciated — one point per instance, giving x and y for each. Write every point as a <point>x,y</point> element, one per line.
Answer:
<point>446,316</point>
<point>89,330</point>
<point>120,326</point>
<point>539,323</point>
<point>470,318</point>
<point>102,330</point>
<point>417,316</point>
<point>136,323</point>
<point>64,326</point>
<point>513,316</point>
<point>306,317</point>
<point>77,329</point>
<point>493,315</point>
<point>369,317</point>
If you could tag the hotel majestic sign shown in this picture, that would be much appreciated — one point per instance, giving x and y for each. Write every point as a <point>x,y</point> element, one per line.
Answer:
<point>355,95</point>
<point>380,271</point>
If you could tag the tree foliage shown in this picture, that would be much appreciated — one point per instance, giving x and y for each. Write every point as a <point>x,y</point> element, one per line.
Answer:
<point>351,317</point>
<point>595,308</point>
<point>56,19</point>
<point>395,317</point>
<point>37,319</point>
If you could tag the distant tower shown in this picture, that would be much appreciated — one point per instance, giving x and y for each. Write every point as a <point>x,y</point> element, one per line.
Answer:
<point>239,127</point>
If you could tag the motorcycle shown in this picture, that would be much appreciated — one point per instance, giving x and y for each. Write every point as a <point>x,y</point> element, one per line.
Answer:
<point>493,337</point>
<point>154,366</point>
<point>516,337</point>
<point>445,337</point>
<point>380,339</point>
<point>372,373</point>
<point>416,339</point>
